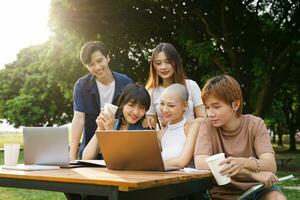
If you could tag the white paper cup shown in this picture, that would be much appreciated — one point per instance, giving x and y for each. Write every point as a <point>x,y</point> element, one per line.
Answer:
<point>112,108</point>
<point>213,163</point>
<point>11,154</point>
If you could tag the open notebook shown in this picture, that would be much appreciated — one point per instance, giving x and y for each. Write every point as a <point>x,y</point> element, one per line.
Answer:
<point>89,162</point>
<point>256,187</point>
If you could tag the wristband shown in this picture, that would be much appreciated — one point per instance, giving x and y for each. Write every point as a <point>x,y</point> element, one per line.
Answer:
<point>257,164</point>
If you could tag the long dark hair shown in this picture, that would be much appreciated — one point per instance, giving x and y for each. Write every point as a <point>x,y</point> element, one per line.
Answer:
<point>171,53</point>
<point>136,94</point>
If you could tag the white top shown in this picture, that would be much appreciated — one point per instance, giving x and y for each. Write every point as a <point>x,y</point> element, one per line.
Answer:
<point>106,92</point>
<point>173,140</point>
<point>194,100</point>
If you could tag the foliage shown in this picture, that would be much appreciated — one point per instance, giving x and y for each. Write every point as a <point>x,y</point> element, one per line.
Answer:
<point>257,42</point>
<point>36,90</point>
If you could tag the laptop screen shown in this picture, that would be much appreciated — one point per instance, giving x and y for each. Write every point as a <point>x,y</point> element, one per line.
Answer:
<point>46,146</point>
<point>130,150</point>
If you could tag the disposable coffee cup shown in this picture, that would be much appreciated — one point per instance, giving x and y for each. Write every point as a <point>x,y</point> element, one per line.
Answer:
<point>112,108</point>
<point>214,165</point>
<point>11,154</point>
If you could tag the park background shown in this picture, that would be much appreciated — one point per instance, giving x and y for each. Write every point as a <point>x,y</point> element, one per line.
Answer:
<point>255,41</point>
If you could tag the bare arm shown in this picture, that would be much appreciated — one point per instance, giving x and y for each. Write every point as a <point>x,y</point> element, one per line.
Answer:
<point>267,163</point>
<point>200,111</point>
<point>105,121</point>
<point>77,128</point>
<point>265,177</point>
<point>159,135</point>
<point>200,162</point>
<point>235,164</point>
<point>186,155</point>
<point>91,150</point>
<point>266,174</point>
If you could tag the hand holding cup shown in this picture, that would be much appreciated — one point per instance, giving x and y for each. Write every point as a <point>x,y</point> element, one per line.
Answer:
<point>214,165</point>
<point>106,118</point>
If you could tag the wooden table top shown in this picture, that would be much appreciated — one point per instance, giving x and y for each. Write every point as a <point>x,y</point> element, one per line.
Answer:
<point>124,180</point>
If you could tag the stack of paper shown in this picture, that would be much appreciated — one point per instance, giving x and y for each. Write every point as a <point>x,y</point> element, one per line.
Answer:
<point>30,167</point>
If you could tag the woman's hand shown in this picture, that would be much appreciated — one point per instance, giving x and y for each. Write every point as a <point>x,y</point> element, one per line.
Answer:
<point>232,166</point>
<point>105,120</point>
<point>266,178</point>
<point>100,124</point>
<point>149,122</point>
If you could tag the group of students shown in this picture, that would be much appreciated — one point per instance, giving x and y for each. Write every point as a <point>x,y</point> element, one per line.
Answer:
<point>190,130</point>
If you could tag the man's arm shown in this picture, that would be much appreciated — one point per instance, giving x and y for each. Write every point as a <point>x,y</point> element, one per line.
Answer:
<point>77,129</point>
<point>233,165</point>
<point>266,175</point>
<point>200,162</point>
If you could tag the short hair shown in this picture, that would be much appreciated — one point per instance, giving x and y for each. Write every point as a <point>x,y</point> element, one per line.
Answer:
<point>134,93</point>
<point>178,89</point>
<point>173,56</point>
<point>89,48</point>
<point>225,88</point>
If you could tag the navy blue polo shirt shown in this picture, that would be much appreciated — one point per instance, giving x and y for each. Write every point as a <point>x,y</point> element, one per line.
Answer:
<point>87,100</point>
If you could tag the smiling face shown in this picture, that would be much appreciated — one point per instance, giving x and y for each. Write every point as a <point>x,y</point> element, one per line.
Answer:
<point>163,66</point>
<point>98,65</point>
<point>133,112</point>
<point>219,113</point>
<point>172,107</point>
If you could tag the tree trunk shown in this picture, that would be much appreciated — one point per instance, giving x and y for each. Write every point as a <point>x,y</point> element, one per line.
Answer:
<point>292,141</point>
<point>279,133</point>
<point>280,143</point>
<point>262,96</point>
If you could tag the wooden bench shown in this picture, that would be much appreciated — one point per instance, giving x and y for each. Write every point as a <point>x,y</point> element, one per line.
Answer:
<point>284,159</point>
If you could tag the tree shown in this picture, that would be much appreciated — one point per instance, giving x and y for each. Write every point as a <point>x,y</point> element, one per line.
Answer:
<point>257,42</point>
<point>36,90</point>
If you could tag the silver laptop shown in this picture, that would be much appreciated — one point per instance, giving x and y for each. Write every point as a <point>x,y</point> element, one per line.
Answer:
<point>131,150</point>
<point>46,146</point>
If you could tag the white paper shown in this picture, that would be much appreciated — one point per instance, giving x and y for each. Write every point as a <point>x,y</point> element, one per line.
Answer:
<point>94,162</point>
<point>23,167</point>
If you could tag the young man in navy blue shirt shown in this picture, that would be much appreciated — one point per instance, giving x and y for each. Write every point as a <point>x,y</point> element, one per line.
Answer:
<point>91,91</point>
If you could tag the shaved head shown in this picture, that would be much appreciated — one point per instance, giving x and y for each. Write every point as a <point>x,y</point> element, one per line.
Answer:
<point>177,90</point>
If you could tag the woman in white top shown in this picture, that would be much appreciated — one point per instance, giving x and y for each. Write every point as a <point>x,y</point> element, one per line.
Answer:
<point>178,137</point>
<point>165,69</point>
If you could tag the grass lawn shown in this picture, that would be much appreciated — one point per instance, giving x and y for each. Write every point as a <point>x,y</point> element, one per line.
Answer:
<point>22,194</point>
<point>11,138</point>
<point>288,187</point>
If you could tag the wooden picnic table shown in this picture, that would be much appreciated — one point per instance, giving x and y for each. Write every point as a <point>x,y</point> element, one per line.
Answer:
<point>111,183</point>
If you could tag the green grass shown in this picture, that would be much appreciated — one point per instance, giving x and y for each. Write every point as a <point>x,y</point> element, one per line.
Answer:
<point>26,194</point>
<point>11,138</point>
<point>291,168</point>
<point>22,194</point>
